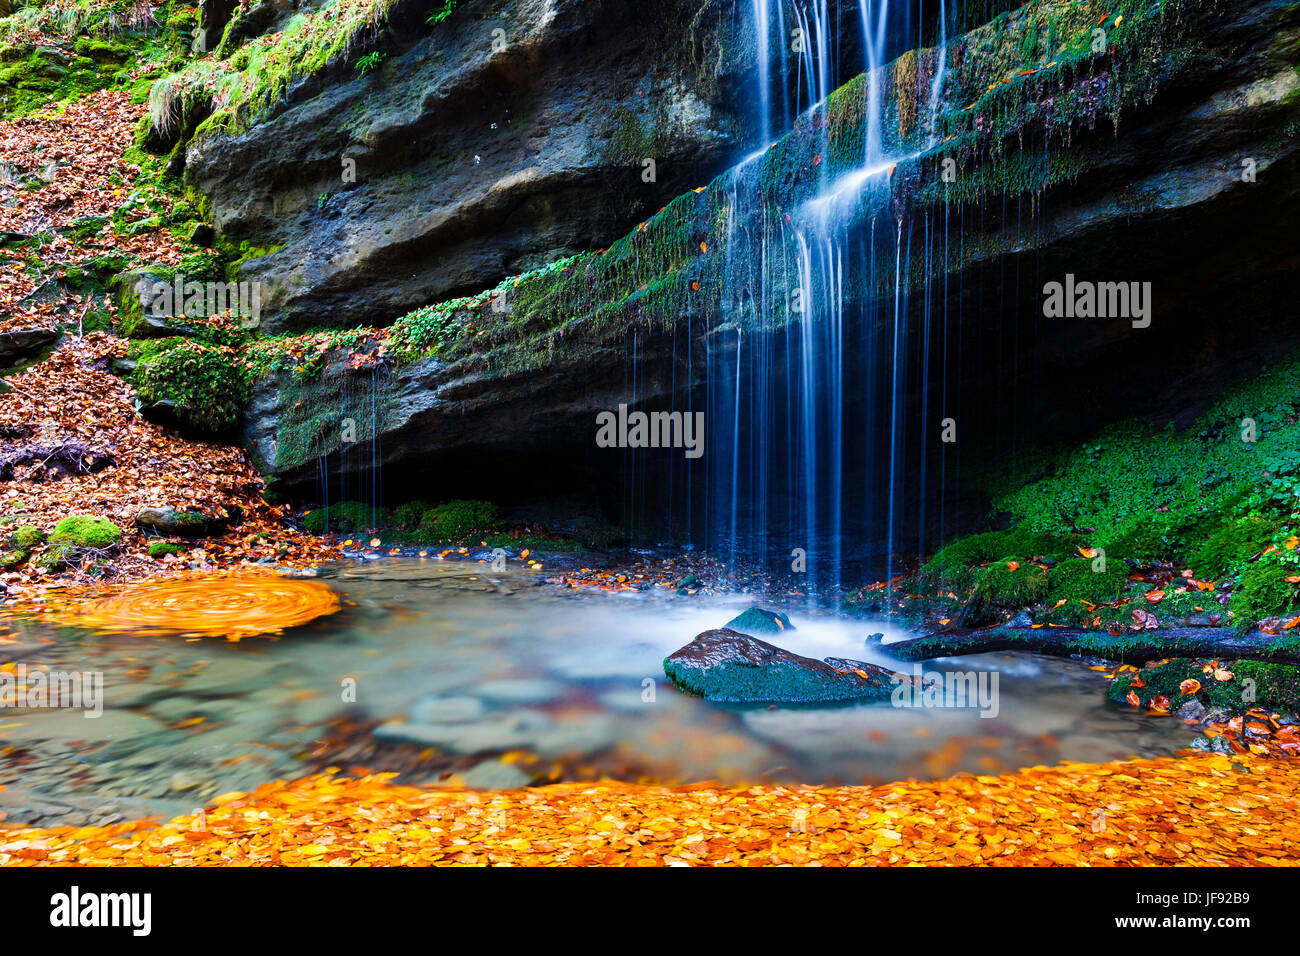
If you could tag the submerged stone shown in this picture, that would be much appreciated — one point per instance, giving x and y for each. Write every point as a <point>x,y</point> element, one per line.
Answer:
<point>725,665</point>
<point>759,620</point>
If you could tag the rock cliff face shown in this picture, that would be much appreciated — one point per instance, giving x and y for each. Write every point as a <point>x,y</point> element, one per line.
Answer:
<point>507,135</point>
<point>1121,162</point>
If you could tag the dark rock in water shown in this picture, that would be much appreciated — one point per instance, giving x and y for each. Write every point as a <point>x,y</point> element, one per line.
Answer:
<point>689,584</point>
<point>170,523</point>
<point>725,665</point>
<point>759,620</point>
<point>20,343</point>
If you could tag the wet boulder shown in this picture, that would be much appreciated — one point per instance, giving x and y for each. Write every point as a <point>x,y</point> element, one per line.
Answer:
<point>727,666</point>
<point>759,620</point>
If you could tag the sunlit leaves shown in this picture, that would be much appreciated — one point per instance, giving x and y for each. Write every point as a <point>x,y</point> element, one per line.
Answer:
<point>1202,810</point>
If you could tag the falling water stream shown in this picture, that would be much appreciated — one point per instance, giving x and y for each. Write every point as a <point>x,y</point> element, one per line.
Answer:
<point>800,408</point>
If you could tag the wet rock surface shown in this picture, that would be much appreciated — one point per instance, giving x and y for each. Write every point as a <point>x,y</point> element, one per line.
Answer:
<point>477,155</point>
<point>726,665</point>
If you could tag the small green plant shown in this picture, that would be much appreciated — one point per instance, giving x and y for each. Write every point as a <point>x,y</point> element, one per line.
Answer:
<point>321,200</point>
<point>439,15</point>
<point>370,62</point>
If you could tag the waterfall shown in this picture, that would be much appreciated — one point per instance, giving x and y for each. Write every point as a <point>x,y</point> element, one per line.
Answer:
<point>808,380</point>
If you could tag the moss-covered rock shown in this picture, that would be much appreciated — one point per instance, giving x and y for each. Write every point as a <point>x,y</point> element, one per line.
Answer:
<point>161,549</point>
<point>17,546</point>
<point>1006,585</point>
<point>407,516</point>
<point>725,665</point>
<point>77,536</point>
<point>196,387</point>
<point>455,521</point>
<point>1273,687</point>
<point>1082,583</point>
<point>346,517</point>
<point>955,565</point>
<point>759,620</point>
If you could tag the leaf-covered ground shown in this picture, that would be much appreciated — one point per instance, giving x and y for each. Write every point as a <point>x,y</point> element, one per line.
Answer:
<point>1201,811</point>
<point>72,204</point>
<point>70,397</point>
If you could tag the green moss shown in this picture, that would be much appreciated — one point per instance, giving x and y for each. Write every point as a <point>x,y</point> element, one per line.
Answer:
<point>206,386</point>
<point>1078,580</point>
<point>1081,586</point>
<point>26,537</point>
<point>1200,496</point>
<point>86,531</point>
<point>1272,687</point>
<point>160,549</point>
<point>757,620</point>
<point>17,546</point>
<point>1231,546</point>
<point>346,517</point>
<point>457,521</point>
<point>77,536</point>
<point>1005,585</point>
<point>953,566</point>
<point>407,516</point>
<point>1264,592</point>
<point>242,81</point>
